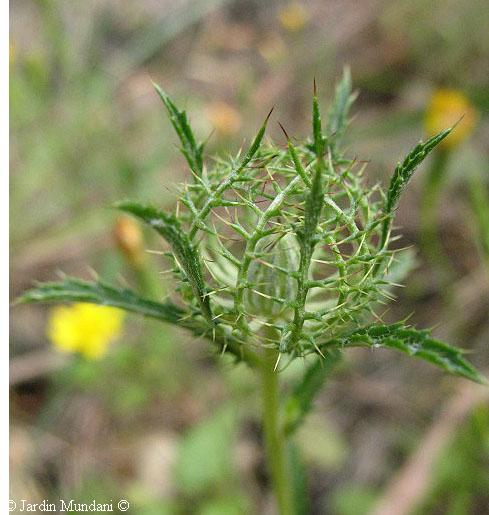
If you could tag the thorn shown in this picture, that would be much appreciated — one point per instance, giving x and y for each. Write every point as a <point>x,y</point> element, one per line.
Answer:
<point>319,350</point>
<point>268,115</point>
<point>315,91</point>
<point>208,294</point>
<point>269,297</point>
<point>457,122</point>
<point>284,131</point>
<point>277,362</point>
<point>224,347</point>
<point>186,317</point>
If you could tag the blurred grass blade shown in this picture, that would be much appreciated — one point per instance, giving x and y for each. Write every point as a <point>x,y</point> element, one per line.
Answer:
<point>301,399</point>
<point>190,148</point>
<point>184,251</point>
<point>175,18</point>
<point>97,292</point>
<point>338,112</point>
<point>413,342</point>
<point>403,173</point>
<point>480,208</point>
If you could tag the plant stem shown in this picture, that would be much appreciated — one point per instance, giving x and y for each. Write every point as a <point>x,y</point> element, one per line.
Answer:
<point>275,441</point>
<point>480,207</point>
<point>429,237</point>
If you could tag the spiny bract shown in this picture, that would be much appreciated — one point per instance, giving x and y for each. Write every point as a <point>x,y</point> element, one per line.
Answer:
<point>281,246</point>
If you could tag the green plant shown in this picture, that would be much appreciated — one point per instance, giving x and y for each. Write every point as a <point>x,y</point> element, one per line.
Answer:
<point>279,253</point>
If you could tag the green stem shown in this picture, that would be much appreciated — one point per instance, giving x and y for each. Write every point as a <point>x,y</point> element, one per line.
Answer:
<point>275,441</point>
<point>145,279</point>
<point>480,206</point>
<point>430,197</point>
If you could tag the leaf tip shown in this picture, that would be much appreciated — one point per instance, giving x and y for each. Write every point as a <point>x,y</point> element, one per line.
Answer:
<point>268,115</point>
<point>284,131</point>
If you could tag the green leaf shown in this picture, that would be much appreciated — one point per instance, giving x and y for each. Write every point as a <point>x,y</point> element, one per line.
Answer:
<point>300,401</point>
<point>71,289</point>
<point>405,170</point>
<point>255,145</point>
<point>403,173</point>
<point>353,500</point>
<point>75,290</point>
<point>190,148</point>
<point>297,162</point>
<point>185,252</point>
<point>340,107</point>
<point>317,133</point>
<point>215,197</point>
<point>413,342</point>
<point>205,460</point>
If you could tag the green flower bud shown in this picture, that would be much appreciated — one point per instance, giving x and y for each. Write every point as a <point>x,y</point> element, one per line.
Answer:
<point>272,285</point>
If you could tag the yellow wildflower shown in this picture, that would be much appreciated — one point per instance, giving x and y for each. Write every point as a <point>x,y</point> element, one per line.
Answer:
<point>84,328</point>
<point>446,107</point>
<point>293,16</point>
<point>225,119</point>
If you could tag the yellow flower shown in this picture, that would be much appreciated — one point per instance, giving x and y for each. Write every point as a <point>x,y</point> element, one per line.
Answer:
<point>446,107</point>
<point>293,16</point>
<point>225,119</point>
<point>84,328</point>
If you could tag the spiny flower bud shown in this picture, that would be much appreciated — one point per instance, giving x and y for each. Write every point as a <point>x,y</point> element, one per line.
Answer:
<point>271,276</point>
<point>279,251</point>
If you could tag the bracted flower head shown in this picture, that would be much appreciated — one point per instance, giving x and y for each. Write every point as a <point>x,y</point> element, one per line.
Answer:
<point>282,249</point>
<point>282,246</point>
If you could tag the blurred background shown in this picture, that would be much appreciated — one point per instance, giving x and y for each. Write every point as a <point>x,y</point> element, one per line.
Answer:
<point>157,420</point>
